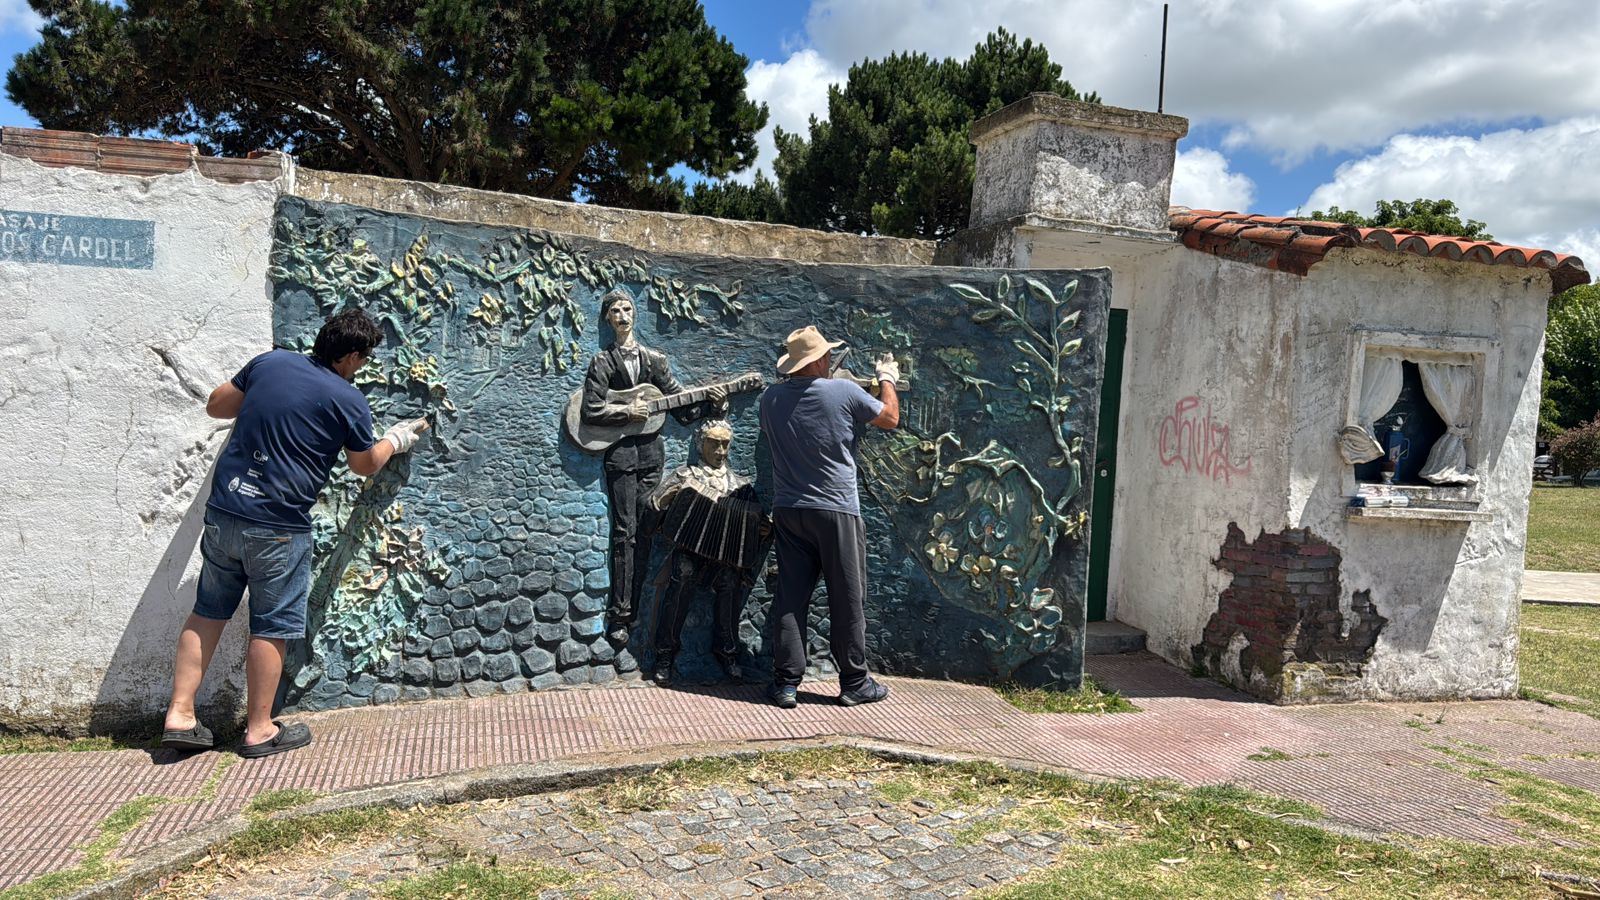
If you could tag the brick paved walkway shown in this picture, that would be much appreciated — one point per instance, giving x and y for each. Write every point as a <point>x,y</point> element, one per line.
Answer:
<point>1368,765</point>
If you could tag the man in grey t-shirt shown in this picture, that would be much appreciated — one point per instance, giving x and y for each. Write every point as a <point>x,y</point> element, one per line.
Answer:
<point>811,424</point>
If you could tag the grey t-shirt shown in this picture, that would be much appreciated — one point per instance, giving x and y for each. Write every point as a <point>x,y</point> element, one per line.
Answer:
<point>811,426</point>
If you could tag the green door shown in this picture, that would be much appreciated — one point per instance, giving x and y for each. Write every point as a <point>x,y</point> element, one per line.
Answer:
<point>1105,465</point>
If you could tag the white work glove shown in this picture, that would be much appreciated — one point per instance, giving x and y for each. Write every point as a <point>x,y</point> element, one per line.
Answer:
<point>404,435</point>
<point>888,369</point>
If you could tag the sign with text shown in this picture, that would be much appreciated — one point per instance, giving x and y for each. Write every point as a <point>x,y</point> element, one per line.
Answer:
<point>36,237</point>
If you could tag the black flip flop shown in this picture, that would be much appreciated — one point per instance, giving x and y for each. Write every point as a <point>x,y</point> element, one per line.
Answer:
<point>289,737</point>
<point>196,738</point>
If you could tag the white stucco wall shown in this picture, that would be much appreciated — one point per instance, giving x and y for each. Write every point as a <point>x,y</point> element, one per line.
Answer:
<point>106,445</point>
<point>1449,589</point>
<point>1215,331</point>
<point>1267,355</point>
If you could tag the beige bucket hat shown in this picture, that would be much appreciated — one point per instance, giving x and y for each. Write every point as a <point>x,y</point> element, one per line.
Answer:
<point>804,345</point>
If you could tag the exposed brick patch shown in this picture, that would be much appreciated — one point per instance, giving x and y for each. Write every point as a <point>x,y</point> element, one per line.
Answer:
<point>1282,616</point>
<point>133,156</point>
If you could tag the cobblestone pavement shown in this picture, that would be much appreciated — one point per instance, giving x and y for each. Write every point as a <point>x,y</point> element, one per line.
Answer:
<point>1364,764</point>
<point>802,838</point>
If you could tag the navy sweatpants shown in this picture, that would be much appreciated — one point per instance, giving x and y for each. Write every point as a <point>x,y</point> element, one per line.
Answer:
<point>813,543</point>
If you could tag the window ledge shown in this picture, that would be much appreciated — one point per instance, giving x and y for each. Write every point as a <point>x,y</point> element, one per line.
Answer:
<point>1422,513</point>
<point>1426,493</point>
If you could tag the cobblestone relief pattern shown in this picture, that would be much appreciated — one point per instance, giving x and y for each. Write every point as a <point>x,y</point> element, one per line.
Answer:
<point>478,563</point>
<point>802,838</point>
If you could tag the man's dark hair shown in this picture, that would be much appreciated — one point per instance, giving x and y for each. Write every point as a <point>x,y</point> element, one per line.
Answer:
<point>351,331</point>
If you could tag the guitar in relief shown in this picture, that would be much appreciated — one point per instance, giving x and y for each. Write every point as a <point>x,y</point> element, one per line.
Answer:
<point>597,438</point>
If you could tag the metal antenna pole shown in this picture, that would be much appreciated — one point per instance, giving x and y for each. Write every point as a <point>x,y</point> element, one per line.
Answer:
<point>1161,90</point>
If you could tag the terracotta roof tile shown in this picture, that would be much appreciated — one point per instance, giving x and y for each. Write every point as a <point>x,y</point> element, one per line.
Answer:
<point>131,156</point>
<point>1287,244</point>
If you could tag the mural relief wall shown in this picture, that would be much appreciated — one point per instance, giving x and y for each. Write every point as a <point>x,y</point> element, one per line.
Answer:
<point>481,562</point>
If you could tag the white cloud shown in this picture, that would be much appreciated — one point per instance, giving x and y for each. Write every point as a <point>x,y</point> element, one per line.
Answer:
<point>1290,76</point>
<point>1536,187</point>
<point>794,90</point>
<point>17,15</point>
<point>1201,180</point>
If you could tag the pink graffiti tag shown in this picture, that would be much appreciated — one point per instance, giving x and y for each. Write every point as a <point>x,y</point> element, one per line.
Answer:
<point>1198,444</point>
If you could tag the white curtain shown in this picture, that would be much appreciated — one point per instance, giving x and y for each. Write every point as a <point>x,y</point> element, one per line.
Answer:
<point>1449,389</point>
<point>1380,388</point>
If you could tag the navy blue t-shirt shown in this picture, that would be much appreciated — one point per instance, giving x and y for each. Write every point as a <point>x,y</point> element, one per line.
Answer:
<point>297,415</point>
<point>811,426</point>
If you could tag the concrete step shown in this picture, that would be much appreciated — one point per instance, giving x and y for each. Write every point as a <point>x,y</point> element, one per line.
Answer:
<point>1107,638</point>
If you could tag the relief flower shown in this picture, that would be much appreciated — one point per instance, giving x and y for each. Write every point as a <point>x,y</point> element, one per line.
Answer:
<point>942,552</point>
<point>978,568</point>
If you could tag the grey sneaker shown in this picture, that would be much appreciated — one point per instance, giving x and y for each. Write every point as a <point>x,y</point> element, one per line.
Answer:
<point>784,695</point>
<point>869,692</point>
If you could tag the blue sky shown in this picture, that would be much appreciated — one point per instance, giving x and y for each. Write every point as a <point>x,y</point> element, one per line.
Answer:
<point>1293,104</point>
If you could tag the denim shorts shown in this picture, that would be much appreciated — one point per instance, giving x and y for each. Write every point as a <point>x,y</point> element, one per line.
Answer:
<point>275,565</point>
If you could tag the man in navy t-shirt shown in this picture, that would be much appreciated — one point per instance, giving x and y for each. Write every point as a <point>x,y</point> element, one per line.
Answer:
<point>294,414</point>
<point>811,423</point>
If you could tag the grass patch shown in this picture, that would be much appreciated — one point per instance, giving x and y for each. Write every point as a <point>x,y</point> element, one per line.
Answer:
<point>265,837</point>
<point>1269,754</point>
<point>1564,529</point>
<point>1228,842</point>
<point>44,743</point>
<point>1089,698</point>
<point>1565,819</point>
<point>1559,647</point>
<point>268,802</point>
<point>1088,813</point>
<point>1152,840</point>
<point>472,880</point>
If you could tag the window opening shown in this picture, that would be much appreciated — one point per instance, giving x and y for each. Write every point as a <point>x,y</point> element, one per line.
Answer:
<point>1407,431</point>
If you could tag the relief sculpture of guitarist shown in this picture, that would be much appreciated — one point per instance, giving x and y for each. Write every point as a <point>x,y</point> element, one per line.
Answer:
<point>633,463</point>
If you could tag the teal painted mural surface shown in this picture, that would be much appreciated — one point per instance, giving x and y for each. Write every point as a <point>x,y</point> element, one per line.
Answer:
<point>479,562</point>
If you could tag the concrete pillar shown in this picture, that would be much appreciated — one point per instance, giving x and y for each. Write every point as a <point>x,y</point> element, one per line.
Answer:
<point>1068,164</point>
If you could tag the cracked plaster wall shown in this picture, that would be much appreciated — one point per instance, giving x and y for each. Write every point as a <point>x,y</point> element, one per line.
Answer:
<point>1266,356</point>
<point>1449,589</point>
<point>103,374</point>
<point>1068,171</point>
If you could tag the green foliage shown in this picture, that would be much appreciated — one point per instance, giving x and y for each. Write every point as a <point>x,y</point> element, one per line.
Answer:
<point>893,156</point>
<point>1424,215</point>
<point>1572,360</point>
<point>556,98</point>
<point>758,202</point>
<point>1577,451</point>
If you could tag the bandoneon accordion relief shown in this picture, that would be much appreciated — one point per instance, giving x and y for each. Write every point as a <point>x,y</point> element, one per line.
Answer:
<point>726,530</point>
